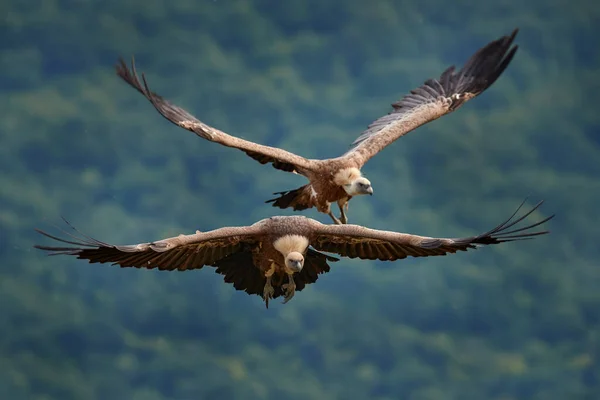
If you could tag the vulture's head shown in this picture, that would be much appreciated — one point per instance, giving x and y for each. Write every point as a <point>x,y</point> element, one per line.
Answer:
<point>358,186</point>
<point>294,261</point>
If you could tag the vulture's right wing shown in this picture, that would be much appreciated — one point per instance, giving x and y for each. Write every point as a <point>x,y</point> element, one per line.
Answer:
<point>183,252</point>
<point>279,158</point>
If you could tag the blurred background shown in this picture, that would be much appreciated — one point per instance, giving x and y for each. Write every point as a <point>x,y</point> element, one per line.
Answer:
<point>516,321</point>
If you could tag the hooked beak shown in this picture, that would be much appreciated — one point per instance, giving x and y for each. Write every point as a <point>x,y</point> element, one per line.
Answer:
<point>370,191</point>
<point>296,266</point>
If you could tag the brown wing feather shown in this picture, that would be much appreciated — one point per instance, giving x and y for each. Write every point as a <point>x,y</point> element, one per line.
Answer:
<point>355,241</point>
<point>279,158</point>
<point>238,269</point>
<point>229,250</point>
<point>184,252</point>
<point>315,264</point>
<point>437,97</point>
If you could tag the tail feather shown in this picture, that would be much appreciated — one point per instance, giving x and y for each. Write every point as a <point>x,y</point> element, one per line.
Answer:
<point>298,199</point>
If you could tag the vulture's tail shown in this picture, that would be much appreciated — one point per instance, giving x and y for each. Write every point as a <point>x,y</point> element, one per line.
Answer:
<point>298,199</point>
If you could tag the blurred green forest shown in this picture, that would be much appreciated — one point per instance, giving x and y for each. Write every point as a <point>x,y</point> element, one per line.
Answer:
<point>517,321</point>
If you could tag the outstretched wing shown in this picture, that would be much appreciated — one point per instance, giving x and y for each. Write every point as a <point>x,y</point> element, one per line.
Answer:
<point>279,158</point>
<point>183,252</point>
<point>229,250</point>
<point>436,98</point>
<point>356,241</point>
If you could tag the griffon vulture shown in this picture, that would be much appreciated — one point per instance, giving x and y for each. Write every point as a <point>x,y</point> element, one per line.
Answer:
<point>337,180</point>
<point>279,255</point>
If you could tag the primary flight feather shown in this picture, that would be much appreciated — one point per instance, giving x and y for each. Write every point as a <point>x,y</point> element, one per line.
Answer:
<point>280,255</point>
<point>337,180</point>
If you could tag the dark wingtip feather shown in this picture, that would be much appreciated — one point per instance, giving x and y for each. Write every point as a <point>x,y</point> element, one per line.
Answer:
<point>502,232</point>
<point>131,76</point>
<point>485,66</point>
<point>79,242</point>
<point>169,111</point>
<point>499,234</point>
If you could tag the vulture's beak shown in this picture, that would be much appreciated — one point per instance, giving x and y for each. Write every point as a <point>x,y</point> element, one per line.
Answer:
<point>297,266</point>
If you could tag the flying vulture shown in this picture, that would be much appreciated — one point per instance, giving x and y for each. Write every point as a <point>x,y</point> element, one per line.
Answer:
<point>279,255</point>
<point>337,180</point>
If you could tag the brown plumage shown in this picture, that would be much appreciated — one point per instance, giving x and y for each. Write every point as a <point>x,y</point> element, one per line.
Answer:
<point>279,255</point>
<point>337,180</point>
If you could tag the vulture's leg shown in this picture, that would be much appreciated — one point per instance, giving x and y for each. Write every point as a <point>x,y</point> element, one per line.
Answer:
<point>343,208</point>
<point>290,288</point>
<point>268,290</point>
<point>334,218</point>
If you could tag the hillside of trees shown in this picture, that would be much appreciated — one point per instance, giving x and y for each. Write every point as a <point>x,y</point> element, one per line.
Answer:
<point>515,321</point>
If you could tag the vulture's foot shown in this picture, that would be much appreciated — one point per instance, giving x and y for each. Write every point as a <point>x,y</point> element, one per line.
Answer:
<point>343,217</point>
<point>334,218</point>
<point>268,291</point>
<point>290,288</point>
<point>343,209</point>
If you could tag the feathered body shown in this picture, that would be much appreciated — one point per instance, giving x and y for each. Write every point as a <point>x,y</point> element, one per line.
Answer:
<point>430,101</point>
<point>326,187</point>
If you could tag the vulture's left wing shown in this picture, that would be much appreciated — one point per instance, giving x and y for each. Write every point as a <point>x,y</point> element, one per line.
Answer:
<point>435,98</point>
<point>183,252</point>
<point>356,241</point>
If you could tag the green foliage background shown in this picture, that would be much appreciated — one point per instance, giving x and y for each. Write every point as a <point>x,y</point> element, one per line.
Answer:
<point>519,321</point>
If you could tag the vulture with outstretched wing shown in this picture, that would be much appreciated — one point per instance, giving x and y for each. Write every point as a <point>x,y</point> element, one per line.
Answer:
<point>337,180</point>
<point>279,255</point>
